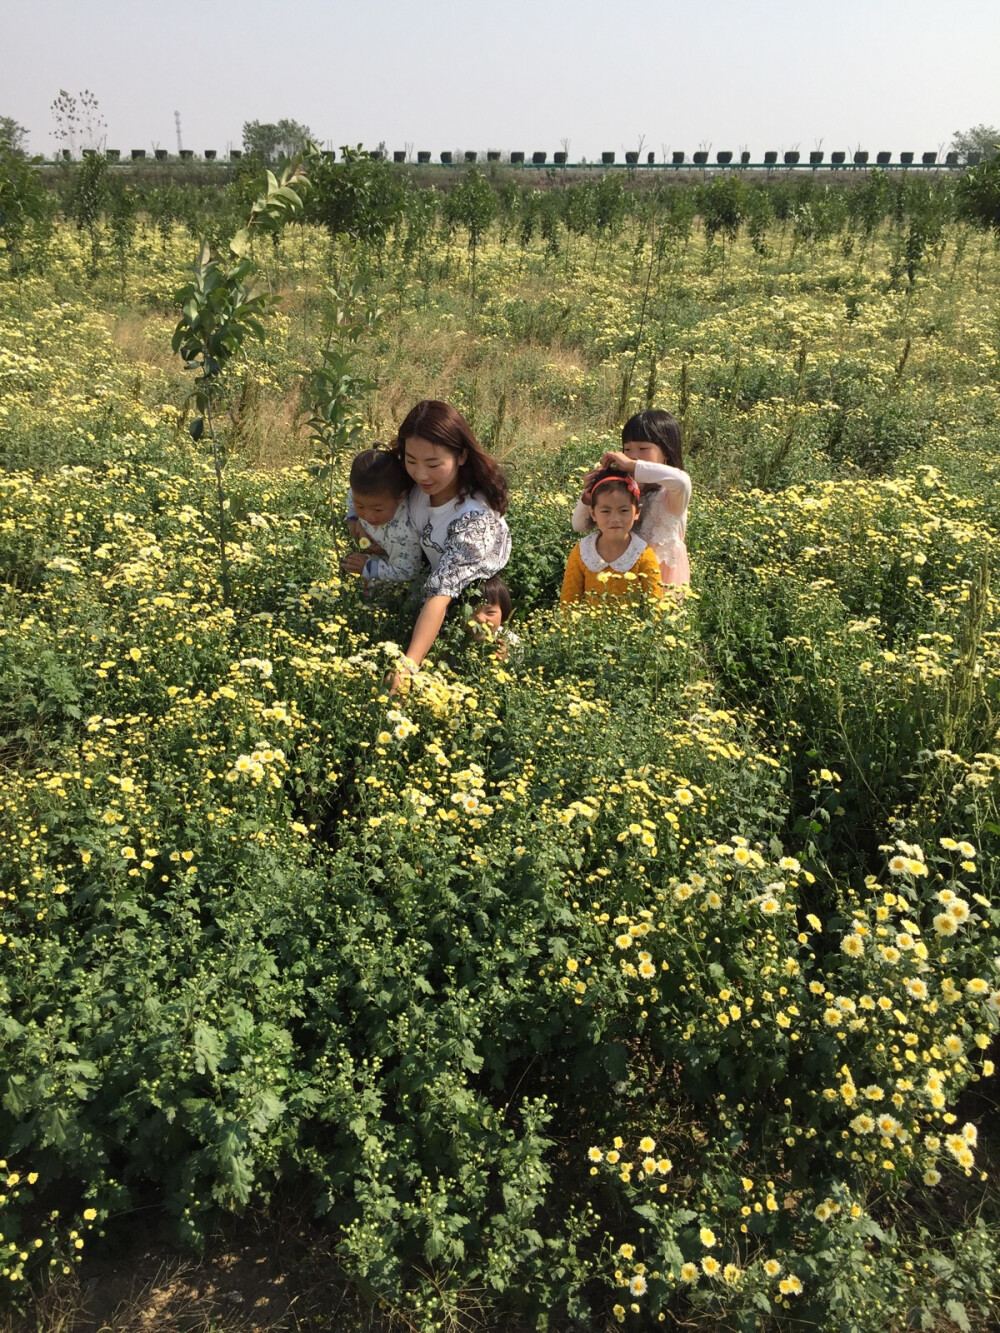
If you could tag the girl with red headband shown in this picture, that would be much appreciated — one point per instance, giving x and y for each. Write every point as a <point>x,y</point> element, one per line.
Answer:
<point>651,454</point>
<point>613,561</point>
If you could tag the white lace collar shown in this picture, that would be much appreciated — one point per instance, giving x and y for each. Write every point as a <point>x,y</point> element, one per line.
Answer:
<point>596,564</point>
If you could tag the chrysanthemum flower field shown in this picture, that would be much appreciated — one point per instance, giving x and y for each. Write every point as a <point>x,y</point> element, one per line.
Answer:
<point>650,976</point>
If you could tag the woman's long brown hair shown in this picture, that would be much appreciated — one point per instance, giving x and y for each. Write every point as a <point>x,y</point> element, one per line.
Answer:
<point>440,423</point>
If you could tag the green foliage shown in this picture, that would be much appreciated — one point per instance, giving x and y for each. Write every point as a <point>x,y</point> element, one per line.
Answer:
<point>269,143</point>
<point>473,205</point>
<point>88,199</point>
<point>14,135</point>
<point>220,310</point>
<point>271,936</point>
<point>722,208</point>
<point>609,205</point>
<point>335,388</point>
<point>360,197</point>
<point>981,139</point>
<point>867,203</point>
<point>26,207</point>
<point>759,216</point>
<point>977,196</point>
<point>122,207</point>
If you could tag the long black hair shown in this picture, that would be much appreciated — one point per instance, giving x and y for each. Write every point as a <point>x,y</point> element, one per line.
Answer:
<point>440,423</point>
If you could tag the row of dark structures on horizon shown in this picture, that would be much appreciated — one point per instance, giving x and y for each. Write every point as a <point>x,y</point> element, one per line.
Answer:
<point>678,159</point>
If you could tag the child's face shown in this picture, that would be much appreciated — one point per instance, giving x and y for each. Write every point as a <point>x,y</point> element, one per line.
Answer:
<point>489,614</point>
<point>614,512</point>
<point>644,451</point>
<point>378,508</point>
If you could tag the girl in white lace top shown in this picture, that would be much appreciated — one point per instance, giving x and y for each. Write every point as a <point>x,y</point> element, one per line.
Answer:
<point>651,452</point>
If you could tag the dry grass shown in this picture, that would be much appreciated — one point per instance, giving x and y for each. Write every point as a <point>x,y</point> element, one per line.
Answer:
<point>503,397</point>
<point>273,1280</point>
<point>265,427</point>
<point>514,398</point>
<point>145,340</point>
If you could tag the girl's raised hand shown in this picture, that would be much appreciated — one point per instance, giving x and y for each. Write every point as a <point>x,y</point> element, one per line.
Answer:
<point>616,459</point>
<point>588,481</point>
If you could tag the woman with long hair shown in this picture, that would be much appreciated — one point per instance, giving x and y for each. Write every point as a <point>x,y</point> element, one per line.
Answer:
<point>457,503</point>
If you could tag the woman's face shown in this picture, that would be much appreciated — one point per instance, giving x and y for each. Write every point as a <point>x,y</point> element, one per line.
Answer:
<point>433,468</point>
<point>644,451</point>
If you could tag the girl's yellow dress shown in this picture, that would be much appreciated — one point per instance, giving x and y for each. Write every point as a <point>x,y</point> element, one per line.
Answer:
<point>635,571</point>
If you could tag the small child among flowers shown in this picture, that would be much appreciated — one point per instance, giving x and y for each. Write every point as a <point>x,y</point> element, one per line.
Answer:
<point>490,614</point>
<point>612,561</point>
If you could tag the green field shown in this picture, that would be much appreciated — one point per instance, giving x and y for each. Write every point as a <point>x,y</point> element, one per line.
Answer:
<point>649,978</point>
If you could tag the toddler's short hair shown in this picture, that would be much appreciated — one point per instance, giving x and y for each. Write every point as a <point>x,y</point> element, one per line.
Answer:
<point>379,471</point>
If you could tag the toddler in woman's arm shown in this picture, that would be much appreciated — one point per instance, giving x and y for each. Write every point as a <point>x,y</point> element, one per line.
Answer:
<point>379,518</point>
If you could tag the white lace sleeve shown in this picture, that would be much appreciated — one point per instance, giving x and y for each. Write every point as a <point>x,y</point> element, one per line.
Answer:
<point>674,481</point>
<point>581,520</point>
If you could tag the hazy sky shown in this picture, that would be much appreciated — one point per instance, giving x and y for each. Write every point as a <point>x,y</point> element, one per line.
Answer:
<point>523,74</point>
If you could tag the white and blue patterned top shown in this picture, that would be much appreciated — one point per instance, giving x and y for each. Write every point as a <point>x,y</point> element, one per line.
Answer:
<point>400,541</point>
<point>464,540</point>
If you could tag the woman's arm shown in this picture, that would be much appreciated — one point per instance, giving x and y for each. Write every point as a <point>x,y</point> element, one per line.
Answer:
<point>425,631</point>
<point>428,626</point>
<point>476,546</point>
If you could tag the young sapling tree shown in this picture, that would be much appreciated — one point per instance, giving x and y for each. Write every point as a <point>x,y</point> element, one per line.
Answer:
<point>220,310</point>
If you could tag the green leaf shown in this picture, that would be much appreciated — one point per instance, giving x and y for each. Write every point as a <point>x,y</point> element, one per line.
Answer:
<point>955,1311</point>
<point>208,1047</point>
<point>53,1122</point>
<point>236,1167</point>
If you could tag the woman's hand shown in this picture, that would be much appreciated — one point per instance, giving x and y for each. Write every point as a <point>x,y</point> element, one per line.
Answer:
<point>621,462</point>
<point>355,562</point>
<point>399,681</point>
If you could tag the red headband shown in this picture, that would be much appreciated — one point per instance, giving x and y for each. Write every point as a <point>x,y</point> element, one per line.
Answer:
<point>624,480</point>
